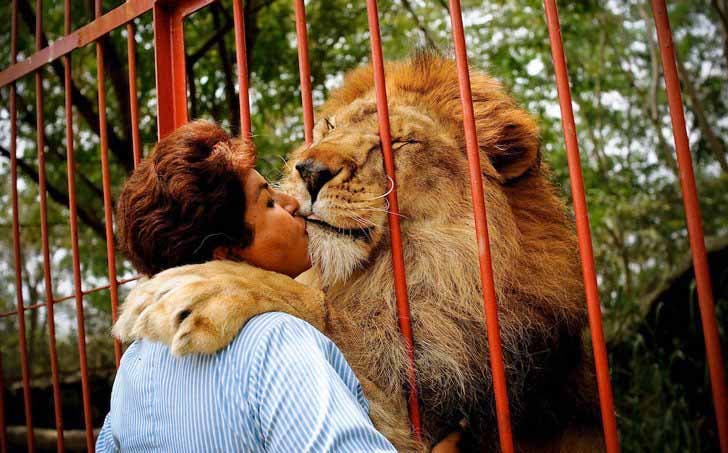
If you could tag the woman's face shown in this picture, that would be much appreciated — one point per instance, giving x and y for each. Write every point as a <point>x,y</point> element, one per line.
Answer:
<point>280,241</point>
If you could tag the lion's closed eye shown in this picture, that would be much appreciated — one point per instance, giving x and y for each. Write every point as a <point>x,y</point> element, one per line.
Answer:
<point>398,143</point>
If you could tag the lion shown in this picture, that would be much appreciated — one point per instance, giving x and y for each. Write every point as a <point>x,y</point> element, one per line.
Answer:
<point>340,183</point>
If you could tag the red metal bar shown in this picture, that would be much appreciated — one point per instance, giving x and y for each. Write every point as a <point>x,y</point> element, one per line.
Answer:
<point>304,71</point>
<point>481,230</point>
<point>169,55</point>
<point>48,283</point>
<point>183,8</point>
<point>133,98</point>
<point>3,422</point>
<point>72,296</point>
<point>241,54</point>
<point>72,218</point>
<point>581,213</point>
<point>79,38</point>
<point>400,281</point>
<point>164,71</point>
<point>22,345</point>
<point>106,184</point>
<point>694,222</point>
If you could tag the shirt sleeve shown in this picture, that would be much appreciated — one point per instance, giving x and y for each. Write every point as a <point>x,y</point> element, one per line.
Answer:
<point>105,442</point>
<point>302,394</point>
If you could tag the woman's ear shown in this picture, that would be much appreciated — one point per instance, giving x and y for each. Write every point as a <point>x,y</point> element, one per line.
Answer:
<point>221,253</point>
<point>230,253</point>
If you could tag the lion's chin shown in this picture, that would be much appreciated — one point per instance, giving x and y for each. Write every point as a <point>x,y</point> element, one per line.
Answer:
<point>335,256</point>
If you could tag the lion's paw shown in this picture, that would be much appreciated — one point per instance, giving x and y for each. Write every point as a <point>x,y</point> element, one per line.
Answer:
<point>201,308</point>
<point>145,312</point>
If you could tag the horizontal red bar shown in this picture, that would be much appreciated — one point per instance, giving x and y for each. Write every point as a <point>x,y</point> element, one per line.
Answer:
<point>183,8</point>
<point>79,38</point>
<point>63,299</point>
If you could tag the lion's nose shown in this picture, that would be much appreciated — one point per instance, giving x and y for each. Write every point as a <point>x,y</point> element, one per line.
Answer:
<point>315,175</point>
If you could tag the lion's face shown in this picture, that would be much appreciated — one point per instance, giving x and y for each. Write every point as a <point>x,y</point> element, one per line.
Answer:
<point>341,184</point>
<point>340,180</point>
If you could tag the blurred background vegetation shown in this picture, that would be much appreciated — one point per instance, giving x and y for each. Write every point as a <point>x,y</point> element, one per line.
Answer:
<point>648,297</point>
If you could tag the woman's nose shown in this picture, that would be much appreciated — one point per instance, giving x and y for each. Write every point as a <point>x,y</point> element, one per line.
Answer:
<point>289,203</point>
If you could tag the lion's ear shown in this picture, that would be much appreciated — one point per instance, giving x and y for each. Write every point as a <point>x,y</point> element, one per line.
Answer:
<point>515,149</point>
<point>508,136</point>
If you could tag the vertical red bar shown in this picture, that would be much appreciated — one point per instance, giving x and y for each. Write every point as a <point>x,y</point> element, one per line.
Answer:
<point>3,422</point>
<point>241,54</point>
<point>133,98</point>
<point>581,213</point>
<point>50,312</point>
<point>304,71</point>
<point>22,345</point>
<point>163,71</point>
<point>694,222</point>
<point>171,78</point>
<point>72,217</point>
<point>400,282</point>
<point>106,185</point>
<point>481,230</point>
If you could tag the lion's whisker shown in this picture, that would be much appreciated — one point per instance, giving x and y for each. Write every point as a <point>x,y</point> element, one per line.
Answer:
<point>361,220</point>
<point>384,210</point>
<point>285,162</point>
<point>391,188</point>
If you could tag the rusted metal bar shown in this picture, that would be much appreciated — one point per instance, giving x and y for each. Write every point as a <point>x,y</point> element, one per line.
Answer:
<point>694,222</point>
<point>22,344</point>
<point>48,283</point>
<point>581,213</point>
<point>241,54</point>
<point>79,38</point>
<point>72,218</point>
<point>400,281</point>
<point>3,421</point>
<point>133,98</point>
<point>481,230</point>
<point>304,71</point>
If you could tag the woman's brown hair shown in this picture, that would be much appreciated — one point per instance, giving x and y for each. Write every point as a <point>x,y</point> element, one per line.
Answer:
<point>185,199</point>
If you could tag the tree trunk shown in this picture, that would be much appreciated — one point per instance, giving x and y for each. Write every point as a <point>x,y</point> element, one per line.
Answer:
<point>717,147</point>
<point>721,8</point>
<point>227,70</point>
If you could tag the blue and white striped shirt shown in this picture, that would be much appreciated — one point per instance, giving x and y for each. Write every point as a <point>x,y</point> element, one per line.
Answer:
<point>280,386</point>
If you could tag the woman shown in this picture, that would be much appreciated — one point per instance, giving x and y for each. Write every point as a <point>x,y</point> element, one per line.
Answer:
<point>280,385</point>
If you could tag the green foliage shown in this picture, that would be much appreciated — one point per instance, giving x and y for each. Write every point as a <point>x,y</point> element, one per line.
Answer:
<point>635,203</point>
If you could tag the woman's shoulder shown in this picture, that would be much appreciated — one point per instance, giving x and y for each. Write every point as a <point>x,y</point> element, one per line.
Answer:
<point>274,328</point>
<point>273,342</point>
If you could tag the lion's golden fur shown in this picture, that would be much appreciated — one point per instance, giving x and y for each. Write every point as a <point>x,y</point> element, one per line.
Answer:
<point>535,262</point>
